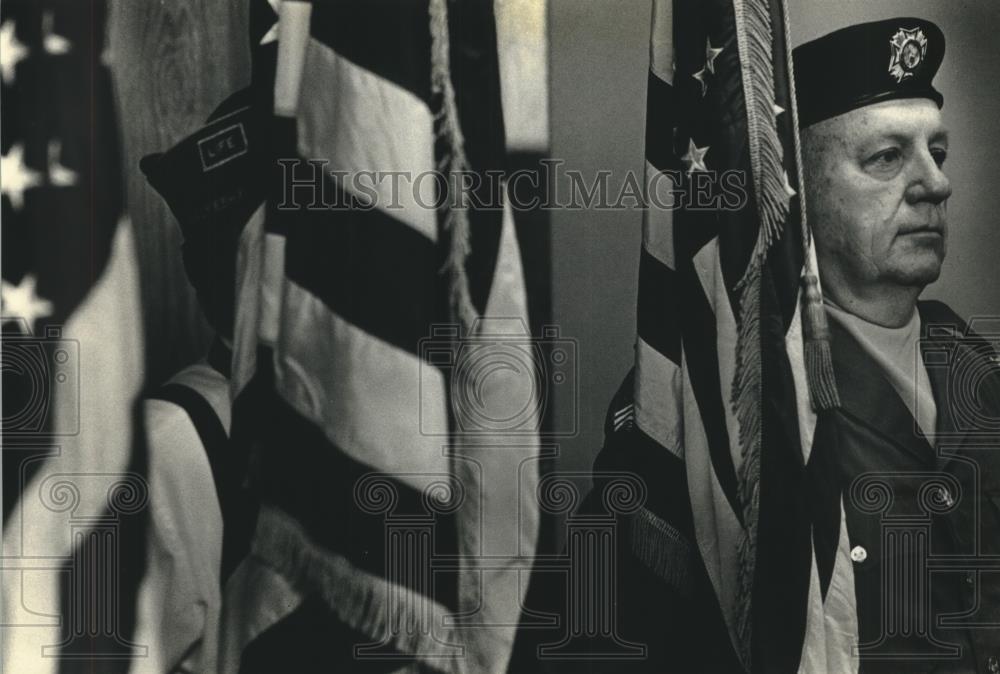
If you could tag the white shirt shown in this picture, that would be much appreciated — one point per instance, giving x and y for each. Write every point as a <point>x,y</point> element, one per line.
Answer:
<point>897,351</point>
<point>180,597</point>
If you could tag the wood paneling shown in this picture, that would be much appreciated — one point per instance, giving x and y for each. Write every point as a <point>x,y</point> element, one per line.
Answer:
<point>174,61</point>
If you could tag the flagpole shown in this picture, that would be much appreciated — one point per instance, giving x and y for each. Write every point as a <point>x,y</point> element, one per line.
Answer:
<point>815,330</point>
<point>293,39</point>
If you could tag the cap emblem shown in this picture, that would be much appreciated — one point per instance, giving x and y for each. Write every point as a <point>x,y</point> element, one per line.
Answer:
<point>909,47</point>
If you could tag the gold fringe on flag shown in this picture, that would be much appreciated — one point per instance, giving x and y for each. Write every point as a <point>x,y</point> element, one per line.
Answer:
<point>455,164</point>
<point>411,623</point>
<point>755,41</point>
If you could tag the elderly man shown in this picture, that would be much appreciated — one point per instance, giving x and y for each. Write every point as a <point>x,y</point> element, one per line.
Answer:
<point>909,461</point>
<point>909,451</point>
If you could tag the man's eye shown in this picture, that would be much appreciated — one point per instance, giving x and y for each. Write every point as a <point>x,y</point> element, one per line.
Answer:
<point>886,158</point>
<point>940,155</point>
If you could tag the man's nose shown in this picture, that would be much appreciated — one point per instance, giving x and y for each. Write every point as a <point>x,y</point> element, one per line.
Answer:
<point>927,182</point>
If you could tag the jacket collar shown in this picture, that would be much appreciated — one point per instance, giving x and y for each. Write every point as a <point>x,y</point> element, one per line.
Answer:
<point>867,396</point>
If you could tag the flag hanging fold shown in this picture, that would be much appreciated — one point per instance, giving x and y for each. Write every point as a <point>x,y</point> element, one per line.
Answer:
<point>381,348</point>
<point>726,387</point>
<point>74,479</point>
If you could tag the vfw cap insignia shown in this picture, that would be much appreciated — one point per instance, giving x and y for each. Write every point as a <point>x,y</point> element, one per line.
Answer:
<point>909,47</point>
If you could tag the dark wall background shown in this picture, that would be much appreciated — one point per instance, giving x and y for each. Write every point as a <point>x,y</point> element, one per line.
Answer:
<point>598,75</point>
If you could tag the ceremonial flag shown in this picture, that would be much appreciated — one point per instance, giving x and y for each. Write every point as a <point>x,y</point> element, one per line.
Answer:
<point>383,374</point>
<point>74,487</point>
<point>726,386</point>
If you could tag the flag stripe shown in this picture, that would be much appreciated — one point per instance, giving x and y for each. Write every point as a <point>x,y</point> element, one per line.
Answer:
<point>249,271</point>
<point>657,307</point>
<point>702,364</point>
<point>371,270</point>
<point>272,271</point>
<point>661,40</point>
<point>499,531</point>
<point>661,120</point>
<point>715,516</point>
<point>378,403</point>
<point>346,505</point>
<point>343,121</point>
<point>386,37</point>
<point>657,398</point>
<point>709,269</point>
<point>658,217</point>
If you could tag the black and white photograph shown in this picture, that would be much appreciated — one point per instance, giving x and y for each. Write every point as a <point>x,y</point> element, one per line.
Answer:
<point>500,336</point>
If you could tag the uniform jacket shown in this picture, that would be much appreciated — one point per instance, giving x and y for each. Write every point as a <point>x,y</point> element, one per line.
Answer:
<point>923,521</point>
<point>923,515</point>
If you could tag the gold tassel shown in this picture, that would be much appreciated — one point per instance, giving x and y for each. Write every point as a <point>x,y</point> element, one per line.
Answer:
<point>816,336</point>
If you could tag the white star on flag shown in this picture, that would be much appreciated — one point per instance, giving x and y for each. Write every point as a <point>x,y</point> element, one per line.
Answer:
<point>54,44</point>
<point>20,302</point>
<point>695,157</point>
<point>59,175</point>
<point>272,34</point>
<point>710,55</point>
<point>12,51</point>
<point>15,177</point>
<point>777,109</point>
<point>700,76</point>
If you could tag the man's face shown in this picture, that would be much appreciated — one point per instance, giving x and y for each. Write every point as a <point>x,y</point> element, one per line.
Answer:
<point>876,196</point>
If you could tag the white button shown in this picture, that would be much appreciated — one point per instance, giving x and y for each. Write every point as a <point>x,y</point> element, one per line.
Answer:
<point>859,554</point>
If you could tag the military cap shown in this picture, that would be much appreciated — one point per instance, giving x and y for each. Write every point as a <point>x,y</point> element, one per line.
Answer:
<point>213,181</point>
<point>215,176</point>
<point>865,64</point>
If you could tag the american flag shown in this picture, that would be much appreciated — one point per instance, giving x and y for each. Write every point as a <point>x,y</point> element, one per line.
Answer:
<point>376,492</point>
<point>74,488</point>
<point>726,387</point>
